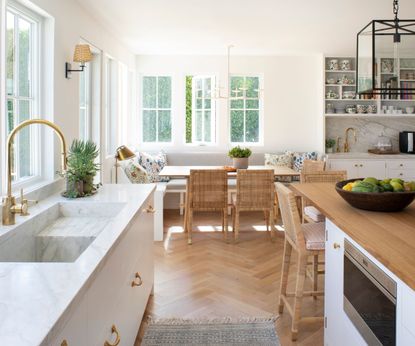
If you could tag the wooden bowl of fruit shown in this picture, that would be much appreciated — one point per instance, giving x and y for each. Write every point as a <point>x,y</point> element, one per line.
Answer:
<point>388,195</point>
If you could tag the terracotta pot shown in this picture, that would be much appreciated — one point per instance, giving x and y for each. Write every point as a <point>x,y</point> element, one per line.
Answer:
<point>240,162</point>
<point>88,184</point>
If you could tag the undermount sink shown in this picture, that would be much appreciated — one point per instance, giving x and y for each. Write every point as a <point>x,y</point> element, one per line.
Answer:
<point>61,233</point>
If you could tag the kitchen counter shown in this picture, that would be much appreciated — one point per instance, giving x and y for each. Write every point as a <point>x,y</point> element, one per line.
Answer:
<point>364,156</point>
<point>35,296</point>
<point>388,237</point>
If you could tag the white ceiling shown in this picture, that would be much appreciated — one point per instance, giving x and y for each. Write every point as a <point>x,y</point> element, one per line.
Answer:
<point>258,27</point>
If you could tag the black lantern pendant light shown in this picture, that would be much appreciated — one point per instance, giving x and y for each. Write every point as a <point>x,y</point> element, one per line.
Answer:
<point>385,61</point>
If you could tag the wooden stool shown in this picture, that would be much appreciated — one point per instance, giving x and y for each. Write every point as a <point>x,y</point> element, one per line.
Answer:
<point>307,240</point>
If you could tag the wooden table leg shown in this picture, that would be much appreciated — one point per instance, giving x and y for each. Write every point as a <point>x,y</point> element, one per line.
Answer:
<point>186,208</point>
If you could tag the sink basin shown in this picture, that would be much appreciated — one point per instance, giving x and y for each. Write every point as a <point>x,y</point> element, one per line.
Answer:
<point>61,233</point>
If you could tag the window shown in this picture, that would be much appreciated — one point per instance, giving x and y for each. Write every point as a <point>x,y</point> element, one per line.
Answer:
<point>245,109</point>
<point>22,89</point>
<point>156,109</point>
<point>85,107</point>
<point>111,105</point>
<point>200,110</point>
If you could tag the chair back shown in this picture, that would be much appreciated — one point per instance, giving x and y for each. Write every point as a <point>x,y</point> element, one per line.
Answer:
<point>313,166</point>
<point>290,216</point>
<point>208,189</point>
<point>323,177</point>
<point>255,189</point>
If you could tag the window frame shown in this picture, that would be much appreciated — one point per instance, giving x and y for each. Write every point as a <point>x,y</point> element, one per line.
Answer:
<point>87,133</point>
<point>213,123</point>
<point>260,110</point>
<point>111,104</point>
<point>35,96</point>
<point>157,109</point>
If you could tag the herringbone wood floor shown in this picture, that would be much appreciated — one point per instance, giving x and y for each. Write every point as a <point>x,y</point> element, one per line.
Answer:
<point>212,279</point>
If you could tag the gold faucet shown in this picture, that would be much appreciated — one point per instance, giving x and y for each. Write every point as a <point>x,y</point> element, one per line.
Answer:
<point>346,145</point>
<point>10,207</point>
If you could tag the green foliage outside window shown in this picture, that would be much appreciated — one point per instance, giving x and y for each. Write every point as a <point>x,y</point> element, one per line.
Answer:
<point>189,80</point>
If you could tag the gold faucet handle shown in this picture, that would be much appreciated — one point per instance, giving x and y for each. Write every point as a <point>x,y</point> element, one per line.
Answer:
<point>23,208</point>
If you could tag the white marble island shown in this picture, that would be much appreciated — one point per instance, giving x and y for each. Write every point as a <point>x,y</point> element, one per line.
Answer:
<point>74,268</point>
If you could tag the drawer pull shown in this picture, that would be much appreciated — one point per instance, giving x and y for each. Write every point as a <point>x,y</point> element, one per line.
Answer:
<point>134,283</point>
<point>117,337</point>
<point>336,246</point>
<point>64,343</point>
<point>150,209</point>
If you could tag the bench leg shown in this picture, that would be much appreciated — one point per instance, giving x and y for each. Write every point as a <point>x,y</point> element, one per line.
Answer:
<point>181,203</point>
<point>158,215</point>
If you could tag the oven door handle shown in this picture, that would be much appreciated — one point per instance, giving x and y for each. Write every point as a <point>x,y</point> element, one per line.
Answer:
<point>371,278</point>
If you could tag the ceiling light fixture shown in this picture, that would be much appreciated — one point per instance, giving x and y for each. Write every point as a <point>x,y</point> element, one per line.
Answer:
<point>385,50</point>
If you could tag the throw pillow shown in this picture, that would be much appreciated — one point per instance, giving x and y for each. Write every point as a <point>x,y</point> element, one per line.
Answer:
<point>278,160</point>
<point>135,173</point>
<point>298,159</point>
<point>153,164</point>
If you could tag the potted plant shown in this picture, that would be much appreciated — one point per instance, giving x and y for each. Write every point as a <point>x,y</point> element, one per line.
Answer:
<point>240,157</point>
<point>330,143</point>
<point>82,169</point>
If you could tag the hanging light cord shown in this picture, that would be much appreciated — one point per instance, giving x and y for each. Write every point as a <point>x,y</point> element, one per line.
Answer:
<point>395,8</point>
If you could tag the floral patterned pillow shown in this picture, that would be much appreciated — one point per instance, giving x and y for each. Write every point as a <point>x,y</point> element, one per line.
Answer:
<point>278,160</point>
<point>298,159</point>
<point>135,173</point>
<point>153,164</point>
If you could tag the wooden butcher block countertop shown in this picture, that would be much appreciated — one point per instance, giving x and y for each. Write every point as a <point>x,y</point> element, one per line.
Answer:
<point>389,237</point>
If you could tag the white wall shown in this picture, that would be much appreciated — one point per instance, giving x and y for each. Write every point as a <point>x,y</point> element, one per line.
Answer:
<point>71,23</point>
<point>292,97</point>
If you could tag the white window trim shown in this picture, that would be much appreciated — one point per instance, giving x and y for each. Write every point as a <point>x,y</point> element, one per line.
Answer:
<point>155,144</point>
<point>38,149</point>
<point>88,106</point>
<point>213,121</point>
<point>260,142</point>
<point>109,103</point>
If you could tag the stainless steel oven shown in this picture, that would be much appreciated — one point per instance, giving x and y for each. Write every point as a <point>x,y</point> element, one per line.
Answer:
<point>369,298</point>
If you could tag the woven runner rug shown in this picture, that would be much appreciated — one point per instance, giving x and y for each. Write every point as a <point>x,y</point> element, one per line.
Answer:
<point>245,331</point>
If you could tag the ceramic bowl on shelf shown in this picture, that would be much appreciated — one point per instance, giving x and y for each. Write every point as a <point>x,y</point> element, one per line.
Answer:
<point>383,201</point>
<point>351,109</point>
<point>330,81</point>
<point>361,109</point>
<point>371,109</point>
<point>349,95</point>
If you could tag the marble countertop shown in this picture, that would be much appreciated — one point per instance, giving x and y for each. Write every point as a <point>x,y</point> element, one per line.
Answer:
<point>364,156</point>
<point>35,296</point>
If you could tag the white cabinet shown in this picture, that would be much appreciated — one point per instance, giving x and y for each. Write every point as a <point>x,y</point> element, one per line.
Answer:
<point>333,299</point>
<point>404,169</point>
<point>114,303</point>
<point>360,168</point>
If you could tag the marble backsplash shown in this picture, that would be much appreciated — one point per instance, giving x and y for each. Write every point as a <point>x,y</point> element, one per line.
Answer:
<point>368,130</point>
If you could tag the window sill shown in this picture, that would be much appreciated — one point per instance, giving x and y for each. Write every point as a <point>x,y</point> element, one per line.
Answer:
<point>41,189</point>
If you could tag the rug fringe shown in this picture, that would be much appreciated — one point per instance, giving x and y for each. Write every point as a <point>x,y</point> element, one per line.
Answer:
<point>222,320</point>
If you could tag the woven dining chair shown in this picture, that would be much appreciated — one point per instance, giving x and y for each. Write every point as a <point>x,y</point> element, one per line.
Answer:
<point>310,213</point>
<point>254,192</point>
<point>313,166</point>
<point>306,240</point>
<point>207,191</point>
<point>308,167</point>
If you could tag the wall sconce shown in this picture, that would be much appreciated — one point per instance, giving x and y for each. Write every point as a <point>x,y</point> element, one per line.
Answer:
<point>82,55</point>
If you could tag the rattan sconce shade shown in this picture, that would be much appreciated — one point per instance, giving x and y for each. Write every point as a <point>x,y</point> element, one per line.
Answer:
<point>82,53</point>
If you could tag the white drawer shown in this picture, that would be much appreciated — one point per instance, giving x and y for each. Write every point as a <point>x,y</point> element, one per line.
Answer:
<point>398,164</point>
<point>404,174</point>
<point>114,281</point>
<point>75,330</point>
<point>132,300</point>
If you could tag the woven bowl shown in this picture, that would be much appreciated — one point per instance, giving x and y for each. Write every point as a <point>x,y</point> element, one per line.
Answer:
<point>383,202</point>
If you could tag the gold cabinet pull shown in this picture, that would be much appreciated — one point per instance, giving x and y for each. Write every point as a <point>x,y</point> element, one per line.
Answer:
<point>336,246</point>
<point>117,337</point>
<point>134,283</point>
<point>150,209</point>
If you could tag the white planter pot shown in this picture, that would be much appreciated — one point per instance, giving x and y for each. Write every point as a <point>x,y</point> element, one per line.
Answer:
<point>240,162</point>
<point>329,150</point>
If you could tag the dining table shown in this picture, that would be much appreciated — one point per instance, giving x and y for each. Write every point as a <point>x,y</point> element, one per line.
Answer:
<point>184,173</point>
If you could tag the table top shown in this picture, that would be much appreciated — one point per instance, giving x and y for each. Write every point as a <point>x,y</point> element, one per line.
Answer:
<point>389,237</point>
<point>184,171</point>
